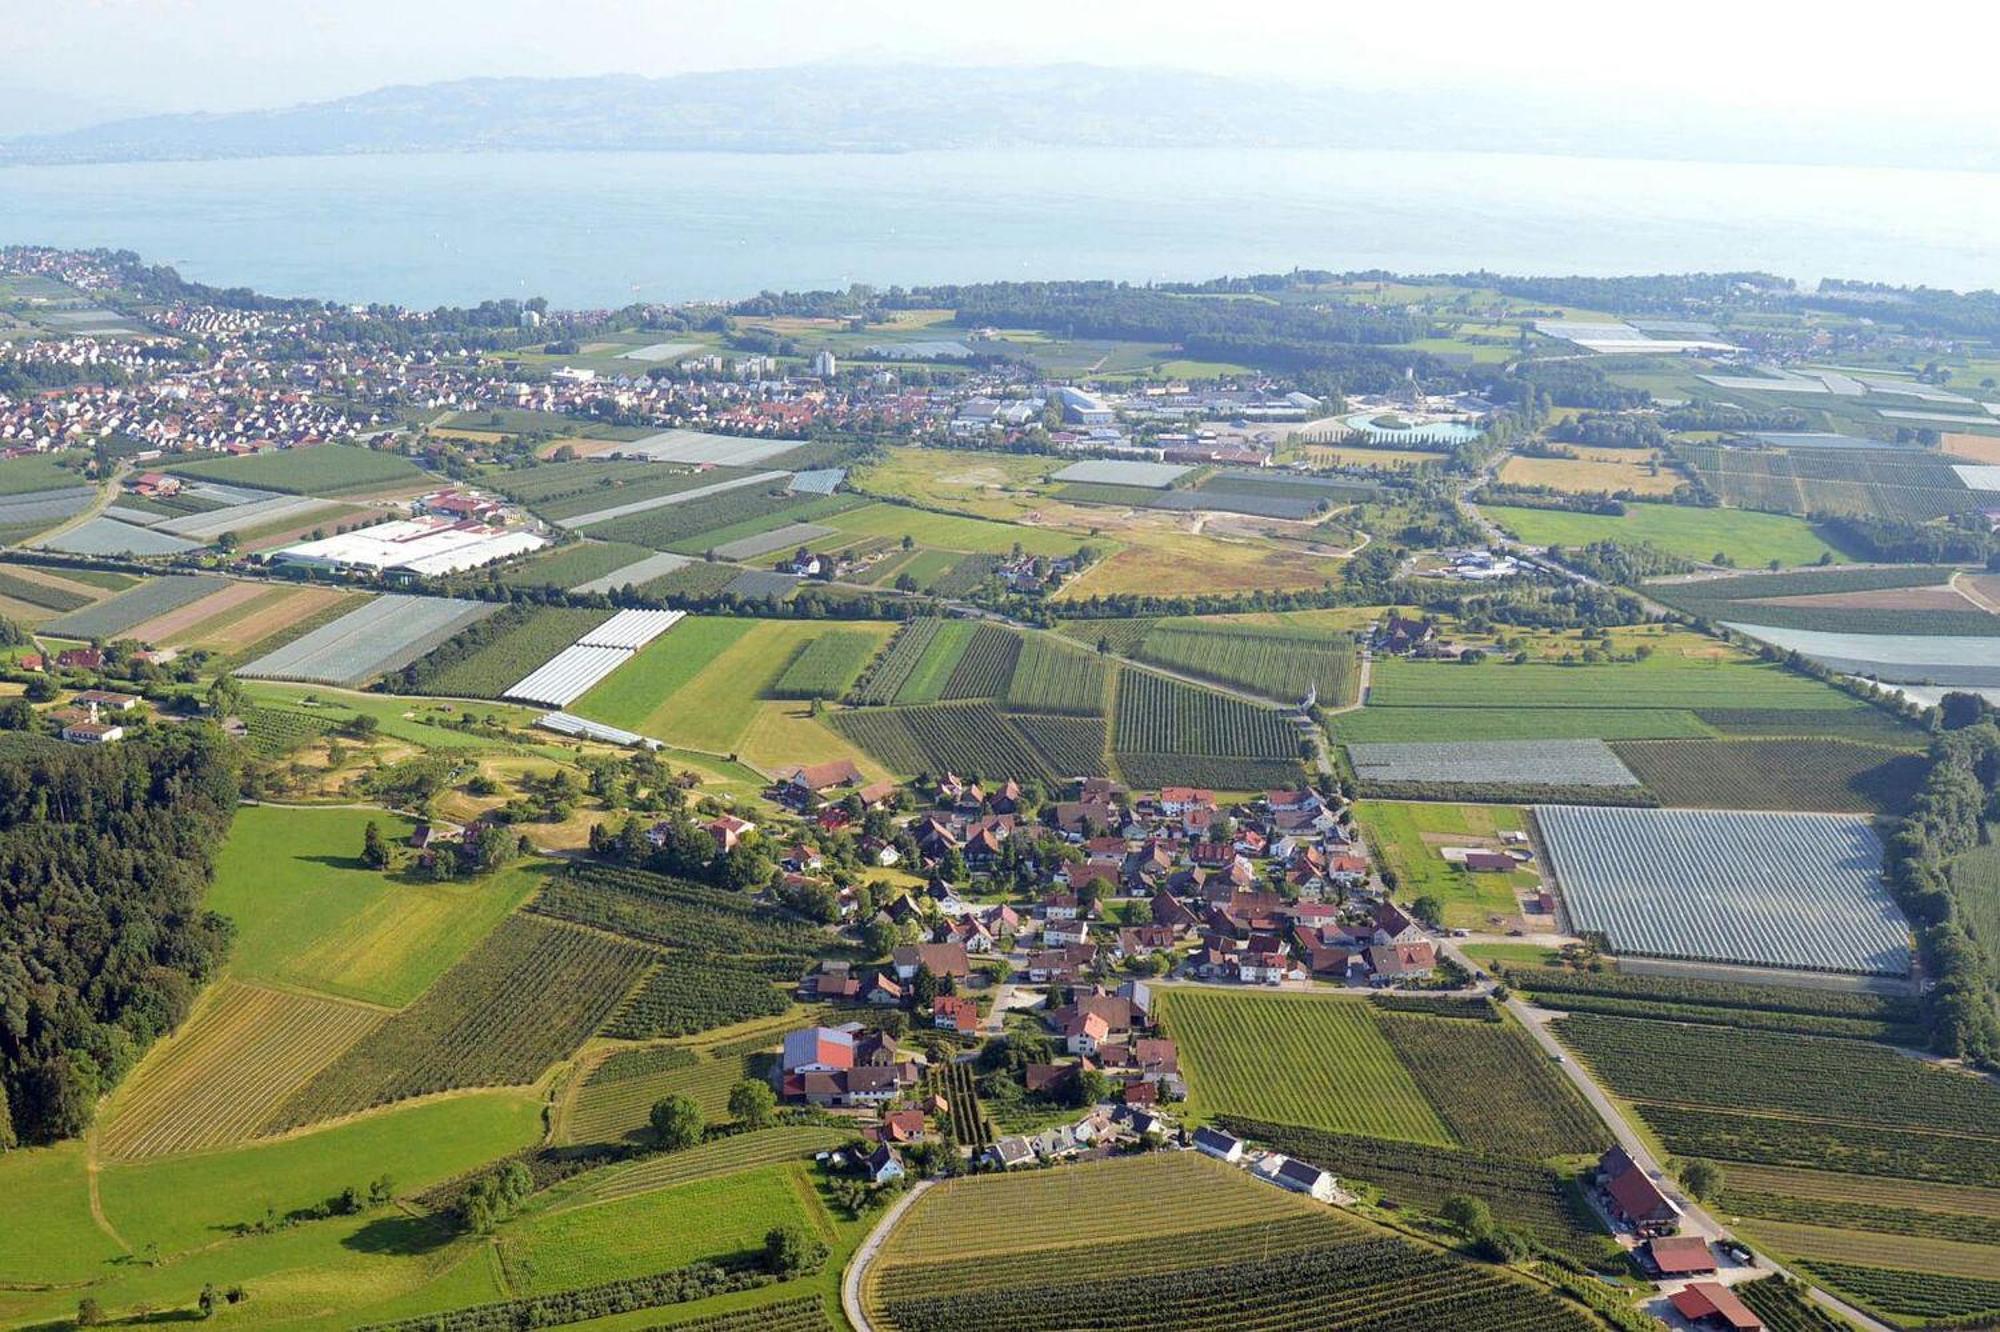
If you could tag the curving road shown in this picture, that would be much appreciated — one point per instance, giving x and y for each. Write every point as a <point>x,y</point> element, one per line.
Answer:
<point>857,1266</point>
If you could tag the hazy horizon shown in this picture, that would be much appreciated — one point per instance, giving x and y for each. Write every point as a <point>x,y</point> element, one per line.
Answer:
<point>1736,67</point>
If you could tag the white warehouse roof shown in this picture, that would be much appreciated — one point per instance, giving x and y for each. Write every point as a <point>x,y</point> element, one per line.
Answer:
<point>416,545</point>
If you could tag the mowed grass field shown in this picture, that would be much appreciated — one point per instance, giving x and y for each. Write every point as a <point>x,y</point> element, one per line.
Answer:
<point>1748,539</point>
<point>1595,471</point>
<point>1663,697</point>
<point>711,706</point>
<point>1316,1060</point>
<point>309,914</point>
<point>721,1218</point>
<point>955,532</point>
<point>1410,835</point>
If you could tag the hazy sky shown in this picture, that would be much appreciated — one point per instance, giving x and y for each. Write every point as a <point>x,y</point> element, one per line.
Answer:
<point>1921,59</point>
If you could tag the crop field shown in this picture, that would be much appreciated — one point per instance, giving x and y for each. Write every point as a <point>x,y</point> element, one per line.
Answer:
<point>582,566</point>
<point>484,658</point>
<point>710,1160</point>
<point>1595,472</point>
<point>1661,698</point>
<point>323,469</point>
<point>1157,715</point>
<point>643,493</point>
<point>1053,677</point>
<point>1913,1295</point>
<point>891,670</point>
<point>526,997</point>
<point>966,738</point>
<point>647,1233</point>
<point>950,531</point>
<point>1954,660</point>
<point>1806,1012</point>
<point>1891,483</point>
<point>1494,763</point>
<point>1318,1061</point>
<point>1069,746</point>
<point>239,624</point>
<point>670,912</point>
<point>1829,776</point>
<point>1495,1089</point>
<point>1918,599</point>
<point>709,699</point>
<point>1521,1192</point>
<point>1746,539</point>
<point>1120,636</point>
<point>1296,1264</point>
<point>34,474</point>
<point>1859,725</point>
<point>632,696</point>
<point>1272,662</point>
<point>1862,1149</point>
<point>1151,771</point>
<point>827,666</point>
<point>1782,1308</point>
<point>1802,1076</point>
<point>617,1111</point>
<point>384,635</point>
<point>244,1051</point>
<point>986,665</point>
<point>1408,837</point>
<point>112,618</point>
<point>717,520</point>
<point>1151,1197</point>
<point>40,588</point>
<point>1861,1218</point>
<point>1779,890</point>
<point>684,996</point>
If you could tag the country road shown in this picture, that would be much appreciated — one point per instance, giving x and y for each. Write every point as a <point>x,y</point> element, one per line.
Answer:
<point>1696,1218</point>
<point>857,1266</point>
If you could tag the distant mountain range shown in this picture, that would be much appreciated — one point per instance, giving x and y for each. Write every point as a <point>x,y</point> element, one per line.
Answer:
<point>908,108</point>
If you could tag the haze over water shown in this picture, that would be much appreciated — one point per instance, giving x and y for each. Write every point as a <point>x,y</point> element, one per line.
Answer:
<point>603,229</point>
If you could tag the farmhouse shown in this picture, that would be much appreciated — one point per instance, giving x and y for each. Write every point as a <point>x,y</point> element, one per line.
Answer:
<point>1289,1172</point>
<point>1633,1196</point>
<point>951,1013</point>
<point>943,959</point>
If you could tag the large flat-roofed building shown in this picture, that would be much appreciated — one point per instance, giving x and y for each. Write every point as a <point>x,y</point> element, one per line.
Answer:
<point>1080,408</point>
<point>418,547</point>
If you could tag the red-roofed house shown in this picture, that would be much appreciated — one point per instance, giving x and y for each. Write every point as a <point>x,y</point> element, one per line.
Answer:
<point>1680,1256</point>
<point>951,1013</point>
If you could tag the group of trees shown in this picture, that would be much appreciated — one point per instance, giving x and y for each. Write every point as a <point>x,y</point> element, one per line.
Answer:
<point>1958,802</point>
<point>686,850</point>
<point>105,854</point>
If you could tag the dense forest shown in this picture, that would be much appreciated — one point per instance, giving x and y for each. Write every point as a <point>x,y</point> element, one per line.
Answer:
<point>104,856</point>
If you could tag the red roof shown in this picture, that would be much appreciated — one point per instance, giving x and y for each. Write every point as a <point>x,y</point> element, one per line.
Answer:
<point>1700,1300</point>
<point>1681,1255</point>
<point>1636,1196</point>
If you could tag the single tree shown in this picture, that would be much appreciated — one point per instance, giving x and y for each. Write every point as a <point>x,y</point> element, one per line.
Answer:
<point>1470,1216</point>
<point>751,1102</point>
<point>1702,1178</point>
<point>374,850</point>
<point>677,1122</point>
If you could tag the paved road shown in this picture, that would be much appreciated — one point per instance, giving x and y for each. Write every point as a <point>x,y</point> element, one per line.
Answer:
<point>1695,1217</point>
<point>857,1266</point>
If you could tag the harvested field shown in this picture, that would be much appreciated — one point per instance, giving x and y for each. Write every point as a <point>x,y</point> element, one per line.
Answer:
<point>276,611</point>
<point>169,630</point>
<point>244,1051</point>
<point>1777,890</point>
<point>116,617</point>
<point>1973,448</point>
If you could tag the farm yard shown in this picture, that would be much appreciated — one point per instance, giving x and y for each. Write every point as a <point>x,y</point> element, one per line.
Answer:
<point>1797,891</point>
<point>1410,839</point>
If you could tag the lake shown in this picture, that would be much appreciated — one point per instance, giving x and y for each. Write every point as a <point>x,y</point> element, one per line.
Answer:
<point>601,229</point>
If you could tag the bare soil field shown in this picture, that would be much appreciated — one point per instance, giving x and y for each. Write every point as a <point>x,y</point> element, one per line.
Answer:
<point>1942,597</point>
<point>1594,471</point>
<point>281,608</point>
<point>169,630</point>
<point>1973,448</point>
